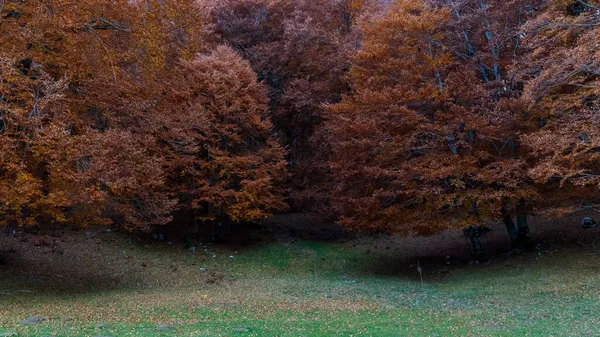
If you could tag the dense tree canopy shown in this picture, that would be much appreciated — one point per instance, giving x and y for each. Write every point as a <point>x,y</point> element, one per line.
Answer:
<point>220,139</point>
<point>300,50</point>
<point>427,139</point>
<point>90,89</point>
<point>396,116</point>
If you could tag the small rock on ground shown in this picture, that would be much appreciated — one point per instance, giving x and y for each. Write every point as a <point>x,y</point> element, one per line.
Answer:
<point>240,330</point>
<point>164,327</point>
<point>8,334</point>
<point>31,321</point>
<point>100,325</point>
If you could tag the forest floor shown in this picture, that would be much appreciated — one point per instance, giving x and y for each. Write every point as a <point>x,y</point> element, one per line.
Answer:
<point>99,283</point>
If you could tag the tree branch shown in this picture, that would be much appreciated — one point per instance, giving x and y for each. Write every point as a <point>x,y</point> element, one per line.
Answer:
<point>34,109</point>
<point>103,24</point>
<point>587,4</point>
<point>10,293</point>
<point>112,66</point>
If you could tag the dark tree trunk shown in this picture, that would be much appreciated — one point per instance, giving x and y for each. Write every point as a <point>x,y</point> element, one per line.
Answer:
<point>477,250</point>
<point>217,223</point>
<point>510,227</point>
<point>473,233</point>
<point>215,228</point>
<point>211,213</point>
<point>220,229</point>
<point>197,228</point>
<point>522,225</point>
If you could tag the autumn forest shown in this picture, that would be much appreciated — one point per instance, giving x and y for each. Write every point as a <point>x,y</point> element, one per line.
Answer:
<point>388,116</point>
<point>410,118</point>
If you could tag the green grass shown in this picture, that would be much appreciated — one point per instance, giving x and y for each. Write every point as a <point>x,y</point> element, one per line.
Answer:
<point>314,289</point>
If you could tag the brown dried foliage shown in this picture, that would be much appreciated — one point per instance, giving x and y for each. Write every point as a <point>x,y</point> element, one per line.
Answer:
<point>400,116</point>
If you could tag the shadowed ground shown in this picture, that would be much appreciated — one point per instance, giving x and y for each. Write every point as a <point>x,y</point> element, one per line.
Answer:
<point>97,283</point>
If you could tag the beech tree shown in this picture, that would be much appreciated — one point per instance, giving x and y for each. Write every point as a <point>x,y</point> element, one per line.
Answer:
<point>300,50</point>
<point>427,141</point>
<point>561,69</point>
<point>30,124</point>
<point>373,129</point>
<point>116,59</point>
<point>102,163</point>
<point>485,36</point>
<point>223,149</point>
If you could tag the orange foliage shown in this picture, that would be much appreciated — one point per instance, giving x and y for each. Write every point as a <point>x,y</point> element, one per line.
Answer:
<point>300,50</point>
<point>563,88</point>
<point>93,151</point>
<point>424,142</point>
<point>221,138</point>
<point>400,116</point>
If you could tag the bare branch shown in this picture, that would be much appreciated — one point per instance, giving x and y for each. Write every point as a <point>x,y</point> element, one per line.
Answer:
<point>36,98</point>
<point>582,208</point>
<point>10,293</point>
<point>587,4</point>
<point>112,65</point>
<point>103,24</point>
